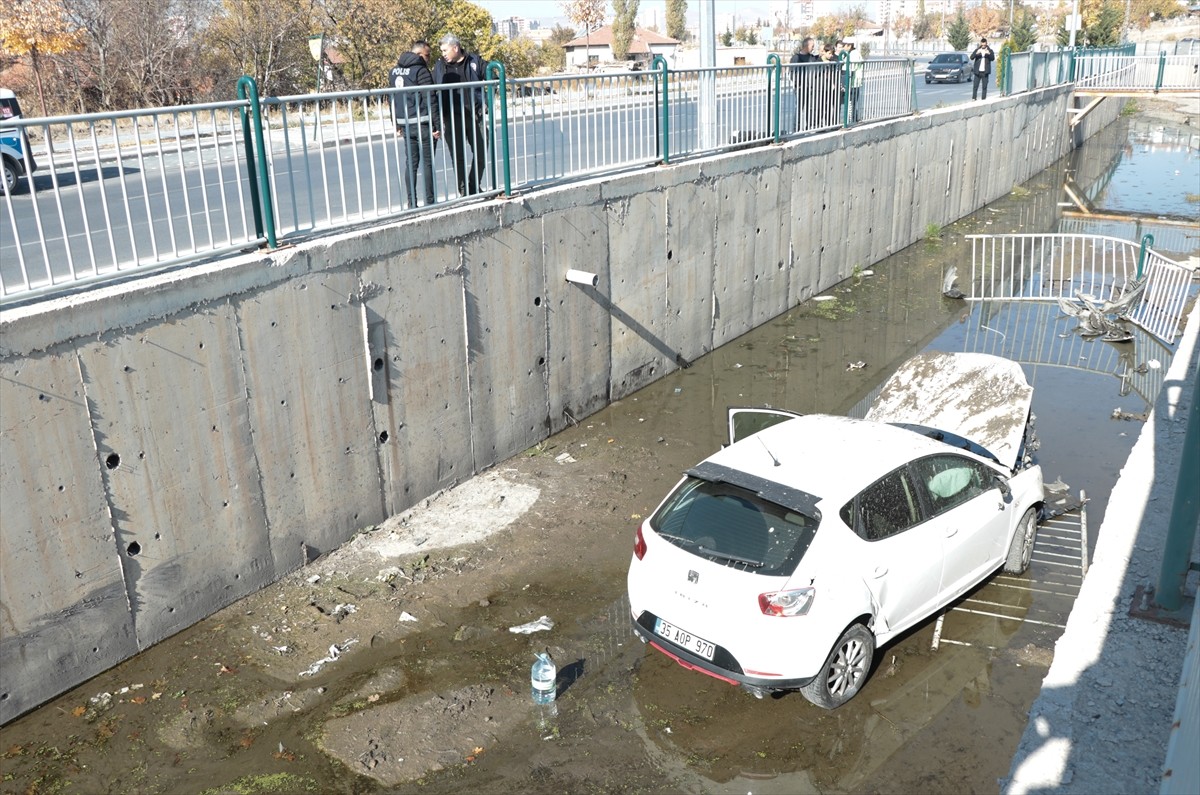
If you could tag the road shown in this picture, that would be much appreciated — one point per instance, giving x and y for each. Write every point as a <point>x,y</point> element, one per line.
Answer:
<point>171,206</point>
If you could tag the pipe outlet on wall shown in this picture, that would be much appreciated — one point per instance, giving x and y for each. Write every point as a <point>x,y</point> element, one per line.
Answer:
<point>582,277</point>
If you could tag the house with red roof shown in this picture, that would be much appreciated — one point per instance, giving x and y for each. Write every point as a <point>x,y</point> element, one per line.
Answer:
<point>596,47</point>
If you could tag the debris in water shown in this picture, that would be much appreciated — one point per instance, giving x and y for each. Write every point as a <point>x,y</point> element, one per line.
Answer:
<point>335,651</point>
<point>564,458</point>
<point>407,616</point>
<point>855,366</point>
<point>948,287</point>
<point>543,623</point>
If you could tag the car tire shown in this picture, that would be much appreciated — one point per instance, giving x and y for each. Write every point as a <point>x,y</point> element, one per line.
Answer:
<point>845,669</point>
<point>1021,549</point>
<point>927,80</point>
<point>10,176</point>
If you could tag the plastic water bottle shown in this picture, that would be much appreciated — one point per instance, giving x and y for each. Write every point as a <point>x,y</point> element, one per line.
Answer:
<point>542,678</point>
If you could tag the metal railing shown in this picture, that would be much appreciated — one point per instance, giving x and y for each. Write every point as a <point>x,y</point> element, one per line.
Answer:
<point>133,190</point>
<point>1128,72</point>
<point>1047,267</point>
<point>1026,71</point>
<point>147,189</point>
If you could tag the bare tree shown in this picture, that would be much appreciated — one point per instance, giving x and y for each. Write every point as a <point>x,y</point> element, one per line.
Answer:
<point>266,39</point>
<point>588,14</point>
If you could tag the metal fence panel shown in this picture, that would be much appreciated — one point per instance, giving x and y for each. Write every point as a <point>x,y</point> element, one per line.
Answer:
<point>811,98</point>
<point>741,97</point>
<point>125,191</point>
<point>887,90</point>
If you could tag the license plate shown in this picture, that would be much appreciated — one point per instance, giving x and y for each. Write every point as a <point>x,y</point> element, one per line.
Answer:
<point>685,639</point>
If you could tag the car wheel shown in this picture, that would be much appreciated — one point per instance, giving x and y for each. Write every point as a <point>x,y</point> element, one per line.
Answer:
<point>10,176</point>
<point>927,80</point>
<point>1021,548</point>
<point>845,669</point>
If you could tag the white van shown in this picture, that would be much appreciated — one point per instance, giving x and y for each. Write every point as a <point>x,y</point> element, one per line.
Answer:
<point>15,152</point>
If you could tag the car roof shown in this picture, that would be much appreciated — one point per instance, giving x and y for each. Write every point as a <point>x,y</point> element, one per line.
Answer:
<point>830,457</point>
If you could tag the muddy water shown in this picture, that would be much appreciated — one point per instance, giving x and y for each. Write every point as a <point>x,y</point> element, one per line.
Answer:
<point>219,709</point>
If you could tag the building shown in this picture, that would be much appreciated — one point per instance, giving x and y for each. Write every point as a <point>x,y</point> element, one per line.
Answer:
<point>596,47</point>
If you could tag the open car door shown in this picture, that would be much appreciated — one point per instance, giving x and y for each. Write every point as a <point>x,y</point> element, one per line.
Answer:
<point>745,422</point>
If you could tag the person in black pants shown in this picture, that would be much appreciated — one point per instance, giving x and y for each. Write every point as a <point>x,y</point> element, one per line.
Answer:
<point>807,107</point>
<point>417,118</point>
<point>462,110</point>
<point>981,67</point>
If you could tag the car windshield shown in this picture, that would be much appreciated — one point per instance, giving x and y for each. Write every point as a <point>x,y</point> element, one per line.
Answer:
<point>733,526</point>
<point>946,59</point>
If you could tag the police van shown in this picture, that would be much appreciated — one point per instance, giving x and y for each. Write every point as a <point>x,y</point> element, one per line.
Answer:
<point>14,143</point>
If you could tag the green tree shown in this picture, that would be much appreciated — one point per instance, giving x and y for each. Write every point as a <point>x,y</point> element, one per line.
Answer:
<point>473,26</point>
<point>519,56</point>
<point>959,32</point>
<point>922,26</point>
<point>727,38</point>
<point>1143,12</point>
<point>1104,29</point>
<point>1024,32</point>
<point>677,19</point>
<point>624,20</point>
<point>746,35</point>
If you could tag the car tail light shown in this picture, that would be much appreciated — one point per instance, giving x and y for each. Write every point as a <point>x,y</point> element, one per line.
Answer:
<point>787,603</point>
<point>639,544</point>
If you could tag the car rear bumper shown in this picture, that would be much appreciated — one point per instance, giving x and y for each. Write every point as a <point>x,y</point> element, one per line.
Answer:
<point>730,672</point>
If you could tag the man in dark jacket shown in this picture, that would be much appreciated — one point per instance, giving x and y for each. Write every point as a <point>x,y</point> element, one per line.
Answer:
<point>462,110</point>
<point>981,67</point>
<point>416,115</point>
<point>806,83</point>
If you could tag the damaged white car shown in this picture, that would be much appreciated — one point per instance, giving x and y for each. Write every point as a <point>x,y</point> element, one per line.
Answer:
<point>784,560</point>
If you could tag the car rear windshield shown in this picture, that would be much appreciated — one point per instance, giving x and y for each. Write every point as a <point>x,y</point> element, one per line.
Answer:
<point>946,59</point>
<point>735,527</point>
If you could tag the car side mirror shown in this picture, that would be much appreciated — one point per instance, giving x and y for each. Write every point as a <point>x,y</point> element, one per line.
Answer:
<point>1002,484</point>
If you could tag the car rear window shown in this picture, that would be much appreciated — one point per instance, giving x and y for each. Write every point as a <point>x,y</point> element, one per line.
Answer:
<point>736,527</point>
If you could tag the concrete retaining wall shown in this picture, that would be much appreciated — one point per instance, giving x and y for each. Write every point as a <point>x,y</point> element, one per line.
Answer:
<point>173,444</point>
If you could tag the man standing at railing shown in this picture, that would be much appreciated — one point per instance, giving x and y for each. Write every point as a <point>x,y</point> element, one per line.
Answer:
<point>981,67</point>
<point>417,118</point>
<point>806,100</point>
<point>462,110</point>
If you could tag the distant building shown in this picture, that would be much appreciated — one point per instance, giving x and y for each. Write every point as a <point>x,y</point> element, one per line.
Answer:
<point>597,47</point>
<point>514,27</point>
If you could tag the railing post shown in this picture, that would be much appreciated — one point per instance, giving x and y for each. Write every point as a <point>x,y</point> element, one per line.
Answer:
<point>1162,66</point>
<point>777,74</point>
<point>660,62</point>
<point>844,58</point>
<point>912,81</point>
<point>264,209</point>
<point>1185,514</point>
<point>1147,242</point>
<point>496,69</point>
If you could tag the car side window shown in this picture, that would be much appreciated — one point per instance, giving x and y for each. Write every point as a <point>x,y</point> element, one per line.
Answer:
<point>951,480</point>
<point>888,506</point>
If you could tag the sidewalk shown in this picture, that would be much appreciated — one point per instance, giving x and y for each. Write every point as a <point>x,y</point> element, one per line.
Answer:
<point>1103,719</point>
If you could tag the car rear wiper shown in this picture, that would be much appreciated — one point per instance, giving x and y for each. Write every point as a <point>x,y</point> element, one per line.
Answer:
<point>735,558</point>
<point>688,541</point>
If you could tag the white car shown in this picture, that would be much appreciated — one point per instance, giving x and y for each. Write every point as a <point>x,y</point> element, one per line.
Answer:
<point>783,561</point>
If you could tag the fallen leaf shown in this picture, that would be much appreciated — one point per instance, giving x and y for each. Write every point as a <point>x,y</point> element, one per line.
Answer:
<point>138,699</point>
<point>78,711</point>
<point>227,669</point>
<point>635,516</point>
<point>15,750</point>
<point>246,741</point>
<point>286,756</point>
<point>371,699</point>
<point>478,749</point>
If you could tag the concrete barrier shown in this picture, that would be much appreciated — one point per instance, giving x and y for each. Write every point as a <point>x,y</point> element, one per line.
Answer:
<point>174,443</point>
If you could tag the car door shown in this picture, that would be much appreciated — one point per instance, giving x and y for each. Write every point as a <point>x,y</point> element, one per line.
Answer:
<point>745,422</point>
<point>965,504</point>
<point>900,556</point>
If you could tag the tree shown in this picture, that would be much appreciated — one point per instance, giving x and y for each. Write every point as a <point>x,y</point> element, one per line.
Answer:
<point>746,35</point>
<point>37,28</point>
<point>922,26</point>
<point>902,26</point>
<point>266,39</point>
<point>624,20</point>
<point>519,56</point>
<point>983,19</point>
<point>1143,12</point>
<point>1104,29</point>
<point>589,15</point>
<point>473,26</point>
<point>1024,33</point>
<point>959,32</point>
<point>677,19</point>
<point>727,38</point>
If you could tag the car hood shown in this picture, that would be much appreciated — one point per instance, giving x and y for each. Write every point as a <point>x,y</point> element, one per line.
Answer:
<point>983,398</point>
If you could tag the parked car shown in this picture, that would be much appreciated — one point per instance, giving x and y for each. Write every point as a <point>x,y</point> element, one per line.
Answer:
<point>784,560</point>
<point>949,67</point>
<point>14,143</point>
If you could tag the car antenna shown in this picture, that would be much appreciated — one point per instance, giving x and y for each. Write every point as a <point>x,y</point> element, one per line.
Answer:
<point>768,449</point>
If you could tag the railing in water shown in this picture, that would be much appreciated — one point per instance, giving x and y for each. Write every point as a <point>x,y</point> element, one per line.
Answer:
<point>1047,267</point>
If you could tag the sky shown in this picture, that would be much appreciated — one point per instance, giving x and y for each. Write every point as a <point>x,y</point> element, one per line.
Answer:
<point>548,12</point>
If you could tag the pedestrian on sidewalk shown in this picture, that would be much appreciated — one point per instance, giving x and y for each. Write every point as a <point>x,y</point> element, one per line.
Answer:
<point>981,67</point>
<point>462,111</point>
<point>417,118</point>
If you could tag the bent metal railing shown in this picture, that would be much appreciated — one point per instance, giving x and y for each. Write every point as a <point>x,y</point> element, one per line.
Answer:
<point>1047,267</point>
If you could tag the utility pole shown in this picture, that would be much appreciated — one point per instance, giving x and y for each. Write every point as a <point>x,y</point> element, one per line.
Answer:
<point>706,109</point>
